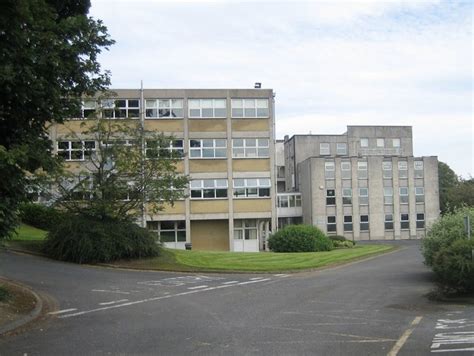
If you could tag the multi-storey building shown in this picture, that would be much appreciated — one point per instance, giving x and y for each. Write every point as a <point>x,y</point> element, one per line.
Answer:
<point>227,141</point>
<point>364,184</point>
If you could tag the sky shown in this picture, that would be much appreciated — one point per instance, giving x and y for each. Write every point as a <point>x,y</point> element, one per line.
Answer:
<point>331,64</point>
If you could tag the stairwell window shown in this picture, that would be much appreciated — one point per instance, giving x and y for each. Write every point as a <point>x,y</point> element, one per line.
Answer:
<point>347,196</point>
<point>346,172</point>
<point>324,149</point>
<point>331,224</point>
<point>418,165</point>
<point>329,170</point>
<point>404,221</point>
<point>341,148</point>
<point>363,196</point>
<point>419,194</point>
<point>404,195</point>
<point>388,195</point>
<point>348,223</point>
<point>402,169</point>
<point>364,223</point>
<point>387,169</point>
<point>362,170</point>
<point>388,221</point>
<point>330,197</point>
<point>420,221</point>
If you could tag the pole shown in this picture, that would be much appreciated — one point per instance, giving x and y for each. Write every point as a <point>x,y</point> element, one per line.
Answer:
<point>467,229</point>
<point>142,163</point>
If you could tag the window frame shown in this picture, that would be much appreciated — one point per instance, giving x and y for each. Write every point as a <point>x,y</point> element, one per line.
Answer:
<point>243,226</point>
<point>364,223</point>
<point>419,198</point>
<point>364,201</point>
<point>247,187</point>
<point>173,146</point>
<point>380,142</point>
<point>348,224</point>
<point>331,226</point>
<point>178,228</point>
<point>330,198</point>
<point>214,148</point>
<point>261,151</point>
<point>215,187</point>
<point>359,169</point>
<point>328,164</point>
<point>339,151</point>
<point>365,140</point>
<point>83,149</point>
<point>214,107</point>
<point>388,223</point>
<point>420,223</point>
<point>244,108</point>
<point>324,149</point>
<point>346,170</point>
<point>404,223</point>
<point>406,196</point>
<point>346,199</point>
<point>114,109</point>
<point>170,107</point>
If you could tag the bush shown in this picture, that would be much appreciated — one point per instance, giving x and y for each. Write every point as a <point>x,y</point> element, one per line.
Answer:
<point>343,244</point>
<point>299,238</point>
<point>40,216</point>
<point>447,250</point>
<point>84,239</point>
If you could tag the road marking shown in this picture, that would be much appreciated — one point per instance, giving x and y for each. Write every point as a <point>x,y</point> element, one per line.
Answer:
<point>256,278</point>
<point>114,302</point>
<point>281,275</point>
<point>230,282</point>
<point>62,311</point>
<point>109,291</point>
<point>198,287</point>
<point>401,341</point>
<point>455,350</point>
<point>256,281</point>
<point>455,338</point>
<point>158,298</point>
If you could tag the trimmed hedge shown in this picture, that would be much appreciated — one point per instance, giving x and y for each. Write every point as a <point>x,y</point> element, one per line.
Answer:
<point>84,239</point>
<point>341,242</point>
<point>448,252</point>
<point>299,238</point>
<point>40,216</point>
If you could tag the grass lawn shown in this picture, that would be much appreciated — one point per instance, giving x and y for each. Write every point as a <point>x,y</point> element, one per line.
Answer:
<point>28,238</point>
<point>179,260</point>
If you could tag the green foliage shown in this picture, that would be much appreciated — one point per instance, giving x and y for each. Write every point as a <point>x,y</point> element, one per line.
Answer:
<point>341,242</point>
<point>447,250</point>
<point>40,216</point>
<point>85,239</point>
<point>117,178</point>
<point>447,179</point>
<point>299,238</point>
<point>48,61</point>
<point>4,294</point>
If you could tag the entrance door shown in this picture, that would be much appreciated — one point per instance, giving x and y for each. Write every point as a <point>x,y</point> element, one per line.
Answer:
<point>246,235</point>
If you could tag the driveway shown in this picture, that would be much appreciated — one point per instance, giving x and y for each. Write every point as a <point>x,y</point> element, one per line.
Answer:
<point>374,307</point>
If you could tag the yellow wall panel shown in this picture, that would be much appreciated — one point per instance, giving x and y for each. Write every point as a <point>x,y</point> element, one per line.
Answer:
<point>251,165</point>
<point>164,125</point>
<point>210,235</point>
<point>207,165</point>
<point>209,206</point>
<point>207,125</point>
<point>178,208</point>
<point>250,125</point>
<point>252,205</point>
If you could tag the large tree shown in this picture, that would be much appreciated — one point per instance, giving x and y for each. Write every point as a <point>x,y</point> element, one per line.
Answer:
<point>447,180</point>
<point>48,60</point>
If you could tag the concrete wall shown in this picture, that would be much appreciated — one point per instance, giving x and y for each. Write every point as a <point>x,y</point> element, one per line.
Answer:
<point>210,235</point>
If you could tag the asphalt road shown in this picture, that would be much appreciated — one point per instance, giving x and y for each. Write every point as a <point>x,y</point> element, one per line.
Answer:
<point>373,307</point>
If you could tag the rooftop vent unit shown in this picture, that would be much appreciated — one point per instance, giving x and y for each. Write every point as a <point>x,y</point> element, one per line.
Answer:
<point>258,85</point>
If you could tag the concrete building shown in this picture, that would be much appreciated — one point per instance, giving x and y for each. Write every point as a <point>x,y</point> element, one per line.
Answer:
<point>227,140</point>
<point>364,184</point>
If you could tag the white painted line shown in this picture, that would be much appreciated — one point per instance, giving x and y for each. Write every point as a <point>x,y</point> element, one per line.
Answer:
<point>109,291</point>
<point>281,275</point>
<point>258,280</point>
<point>230,282</point>
<point>114,302</point>
<point>198,287</point>
<point>62,311</point>
<point>156,298</point>
<point>401,341</point>
<point>455,350</point>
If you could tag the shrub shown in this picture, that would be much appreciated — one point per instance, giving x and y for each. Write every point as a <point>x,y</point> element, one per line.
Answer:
<point>343,244</point>
<point>84,239</point>
<point>40,216</point>
<point>299,238</point>
<point>448,252</point>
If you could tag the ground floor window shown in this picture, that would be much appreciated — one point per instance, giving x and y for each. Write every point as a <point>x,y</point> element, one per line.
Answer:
<point>245,229</point>
<point>388,222</point>
<point>296,220</point>
<point>404,221</point>
<point>420,221</point>
<point>347,223</point>
<point>169,231</point>
<point>331,224</point>
<point>364,223</point>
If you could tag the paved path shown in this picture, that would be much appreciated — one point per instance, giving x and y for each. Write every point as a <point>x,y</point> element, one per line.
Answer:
<point>374,307</point>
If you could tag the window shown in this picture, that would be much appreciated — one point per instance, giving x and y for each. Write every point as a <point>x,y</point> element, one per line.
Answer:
<point>289,201</point>
<point>403,195</point>
<point>173,149</point>
<point>331,224</point>
<point>420,221</point>
<point>207,108</point>
<point>402,169</point>
<point>387,169</point>
<point>250,148</point>
<point>346,196</point>
<point>250,108</point>
<point>347,223</point>
<point>341,148</point>
<point>208,148</point>
<point>324,149</point>
<point>245,229</point>
<point>388,222</point>
<point>363,196</point>
<point>89,108</point>
<point>330,197</point>
<point>346,170</point>
<point>404,221</point>
<point>164,108</point>
<point>329,170</point>
<point>418,169</point>
<point>388,195</point>
<point>364,223</point>
<point>283,201</point>
<point>251,187</point>
<point>75,150</point>
<point>208,188</point>
<point>419,194</point>
<point>364,142</point>
<point>396,143</point>
<point>362,170</point>
<point>380,142</point>
<point>168,231</point>
<point>121,108</point>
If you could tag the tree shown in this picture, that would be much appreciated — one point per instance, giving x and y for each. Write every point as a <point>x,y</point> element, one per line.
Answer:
<point>48,60</point>
<point>447,180</point>
<point>126,172</point>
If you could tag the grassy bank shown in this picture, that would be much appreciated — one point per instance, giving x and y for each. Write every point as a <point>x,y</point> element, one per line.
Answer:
<point>27,238</point>
<point>179,260</point>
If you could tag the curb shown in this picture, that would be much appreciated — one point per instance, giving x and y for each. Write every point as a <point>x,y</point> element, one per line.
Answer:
<point>35,313</point>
